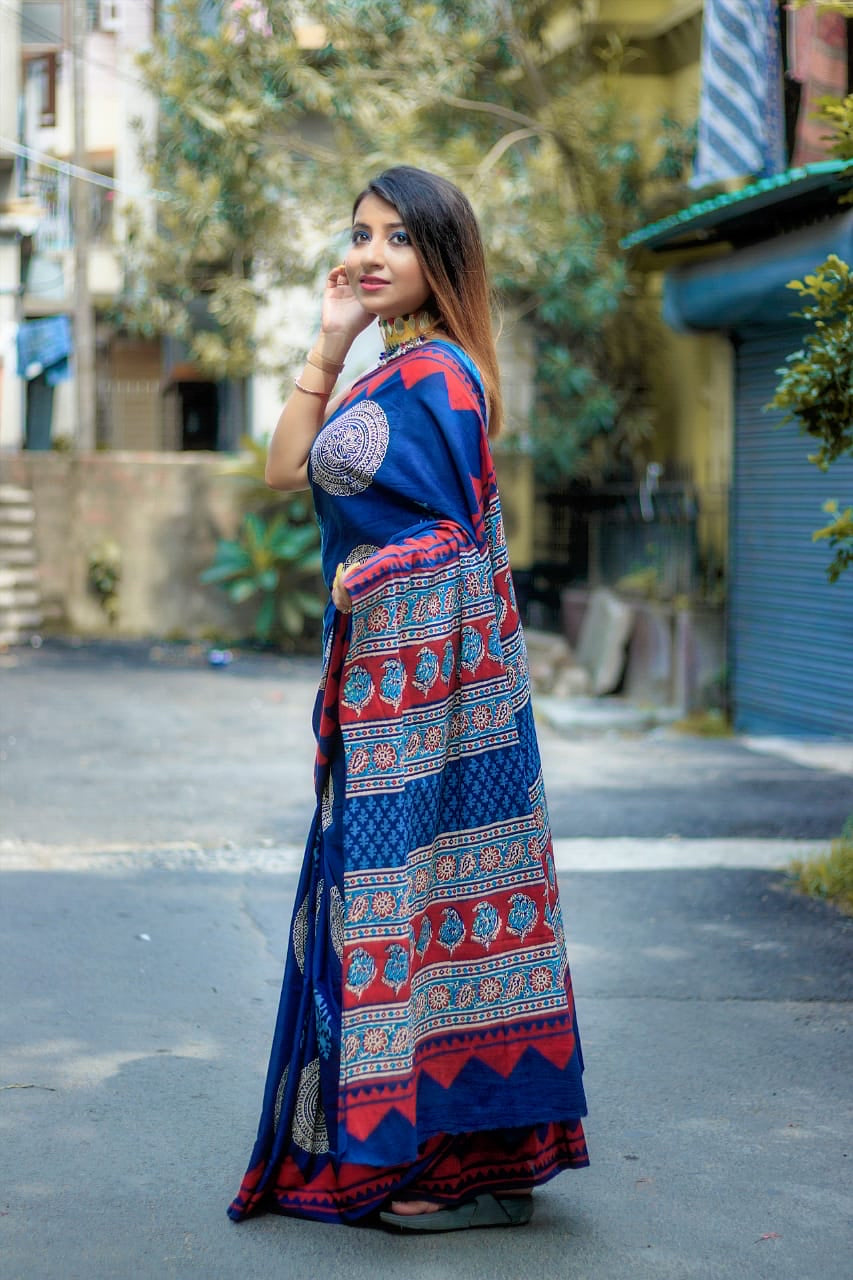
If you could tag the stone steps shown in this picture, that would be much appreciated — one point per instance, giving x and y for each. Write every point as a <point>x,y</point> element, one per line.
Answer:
<point>20,598</point>
<point>21,554</point>
<point>14,514</point>
<point>14,495</point>
<point>21,612</point>
<point>17,576</point>
<point>13,534</point>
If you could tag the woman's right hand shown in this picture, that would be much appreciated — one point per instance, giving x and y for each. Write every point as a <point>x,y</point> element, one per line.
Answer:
<point>344,318</point>
<point>342,313</point>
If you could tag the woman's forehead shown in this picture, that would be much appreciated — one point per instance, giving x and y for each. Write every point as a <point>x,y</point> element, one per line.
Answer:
<point>373,208</point>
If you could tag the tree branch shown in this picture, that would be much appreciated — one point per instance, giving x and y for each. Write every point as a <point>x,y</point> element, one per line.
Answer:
<point>495,109</point>
<point>503,144</point>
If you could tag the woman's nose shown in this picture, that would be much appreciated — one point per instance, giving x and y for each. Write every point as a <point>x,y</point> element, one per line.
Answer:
<point>371,254</point>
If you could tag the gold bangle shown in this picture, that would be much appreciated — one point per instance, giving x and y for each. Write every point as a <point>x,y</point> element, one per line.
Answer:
<point>308,392</point>
<point>320,362</point>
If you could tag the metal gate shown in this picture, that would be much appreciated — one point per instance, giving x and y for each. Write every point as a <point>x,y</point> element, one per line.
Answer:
<point>790,630</point>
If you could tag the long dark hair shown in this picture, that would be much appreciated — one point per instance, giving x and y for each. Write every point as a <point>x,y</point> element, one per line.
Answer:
<point>447,240</point>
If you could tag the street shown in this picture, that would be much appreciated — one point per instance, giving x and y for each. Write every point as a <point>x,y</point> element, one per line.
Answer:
<point>153,810</point>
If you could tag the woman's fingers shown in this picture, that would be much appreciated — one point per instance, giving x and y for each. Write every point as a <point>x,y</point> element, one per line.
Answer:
<point>340,596</point>
<point>338,277</point>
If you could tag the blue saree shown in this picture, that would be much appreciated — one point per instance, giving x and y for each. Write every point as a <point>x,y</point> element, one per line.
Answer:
<point>426,1035</point>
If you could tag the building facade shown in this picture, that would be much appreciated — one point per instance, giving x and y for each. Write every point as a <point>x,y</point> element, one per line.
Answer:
<point>37,233</point>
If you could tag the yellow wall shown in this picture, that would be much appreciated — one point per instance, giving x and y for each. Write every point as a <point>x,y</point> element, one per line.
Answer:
<point>693,381</point>
<point>691,375</point>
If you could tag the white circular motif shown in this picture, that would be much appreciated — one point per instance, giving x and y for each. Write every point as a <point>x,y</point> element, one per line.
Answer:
<point>279,1098</point>
<point>300,934</point>
<point>309,1123</point>
<point>348,452</point>
<point>336,921</point>
<point>326,804</point>
<point>362,552</point>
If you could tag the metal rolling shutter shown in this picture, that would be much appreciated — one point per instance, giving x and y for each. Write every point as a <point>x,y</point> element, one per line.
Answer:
<point>790,630</point>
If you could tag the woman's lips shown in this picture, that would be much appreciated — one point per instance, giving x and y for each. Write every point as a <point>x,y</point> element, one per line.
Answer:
<point>371,283</point>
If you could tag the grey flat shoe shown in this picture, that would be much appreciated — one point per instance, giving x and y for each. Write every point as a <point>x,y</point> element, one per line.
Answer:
<point>483,1211</point>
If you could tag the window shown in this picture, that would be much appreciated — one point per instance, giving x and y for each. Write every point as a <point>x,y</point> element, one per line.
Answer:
<point>40,76</point>
<point>109,15</point>
<point>41,24</point>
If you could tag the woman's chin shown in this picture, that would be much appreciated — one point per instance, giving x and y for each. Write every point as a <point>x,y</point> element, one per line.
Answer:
<point>376,308</point>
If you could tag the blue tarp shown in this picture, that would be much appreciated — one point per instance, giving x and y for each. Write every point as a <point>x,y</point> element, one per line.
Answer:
<point>44,347</point>
<point>748,287</point>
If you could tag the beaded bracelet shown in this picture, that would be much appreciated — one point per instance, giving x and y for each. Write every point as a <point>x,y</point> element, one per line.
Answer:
<point>324,394</point>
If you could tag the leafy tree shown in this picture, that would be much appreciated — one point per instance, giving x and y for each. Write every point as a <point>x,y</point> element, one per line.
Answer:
<point>816,386</point>
<point>229,92</point>
<point>269,125</point>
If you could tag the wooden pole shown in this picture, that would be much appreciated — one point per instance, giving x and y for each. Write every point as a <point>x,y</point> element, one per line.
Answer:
<point>84,323</point>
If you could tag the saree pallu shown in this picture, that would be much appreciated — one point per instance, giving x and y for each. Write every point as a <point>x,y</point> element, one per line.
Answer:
<point>426,1035</point>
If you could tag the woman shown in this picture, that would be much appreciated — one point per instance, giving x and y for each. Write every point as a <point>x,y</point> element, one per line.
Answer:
<point>425,1061</point>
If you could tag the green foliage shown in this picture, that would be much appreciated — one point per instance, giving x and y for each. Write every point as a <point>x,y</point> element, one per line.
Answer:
<point>592,406</point>
<point>275,558</point>
<point>816,387</point>
<point>269,124</point>
<point>274,561</point>
<point>837,115</point>
<point>677,145</point>
<point>830,876</point>
<point>839,534</point>
<point>248,470</point>
<point>817,382</point>
<point>104,575</point>
<point>225,93</point>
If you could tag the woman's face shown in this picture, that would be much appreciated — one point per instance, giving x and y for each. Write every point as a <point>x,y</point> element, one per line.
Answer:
<point>381,264</point>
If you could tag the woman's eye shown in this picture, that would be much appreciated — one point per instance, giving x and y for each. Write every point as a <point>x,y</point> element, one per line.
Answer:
<point>400,237</point>
<point>358,237</point>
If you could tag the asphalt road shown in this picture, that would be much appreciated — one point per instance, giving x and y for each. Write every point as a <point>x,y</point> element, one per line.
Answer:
<point>110,744</point>
<point>151,809</point>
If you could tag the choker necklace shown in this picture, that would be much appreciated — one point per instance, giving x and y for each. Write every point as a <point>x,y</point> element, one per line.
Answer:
<point>406,332</point>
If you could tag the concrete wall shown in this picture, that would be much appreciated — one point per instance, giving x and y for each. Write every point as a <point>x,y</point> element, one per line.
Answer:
<point>10,69</point>
<point>102,95</point>
<point>165,512</point>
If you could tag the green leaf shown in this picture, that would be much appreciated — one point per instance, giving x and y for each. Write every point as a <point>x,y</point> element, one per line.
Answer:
<point>267,580</point>
<point>312,606</point>
<point>265,619</point>
<point>256,532</point>
<point>311,563</point>
<point>292,618</point>
<point>290,543</point>
<point>219,573</point>
<point>231,553</point>
<point>242,590</point>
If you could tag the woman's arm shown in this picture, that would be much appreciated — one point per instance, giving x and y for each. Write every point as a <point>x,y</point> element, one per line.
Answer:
<point>306,408</point>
